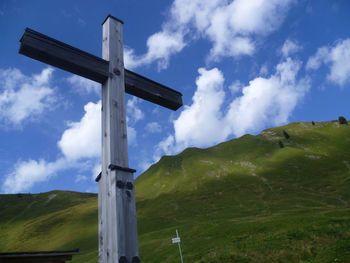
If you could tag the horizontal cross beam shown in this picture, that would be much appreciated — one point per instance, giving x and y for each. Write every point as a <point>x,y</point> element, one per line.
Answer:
<point>58,54</point>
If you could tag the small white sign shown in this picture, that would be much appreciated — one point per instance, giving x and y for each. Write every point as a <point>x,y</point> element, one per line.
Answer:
<point>176,240</point>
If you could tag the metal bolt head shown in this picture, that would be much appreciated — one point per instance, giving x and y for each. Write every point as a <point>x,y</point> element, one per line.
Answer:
<point>116,71</point>
<point>120,184</point>
<point>123,259</point>
<point>129,185</point>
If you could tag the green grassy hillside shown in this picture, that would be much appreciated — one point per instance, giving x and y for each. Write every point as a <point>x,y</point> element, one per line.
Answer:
<point>245,200</point>
<point>55,220</point>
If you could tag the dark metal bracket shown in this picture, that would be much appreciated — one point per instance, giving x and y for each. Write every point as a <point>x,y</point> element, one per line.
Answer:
<point>120,168</point>
<point>98,177</point>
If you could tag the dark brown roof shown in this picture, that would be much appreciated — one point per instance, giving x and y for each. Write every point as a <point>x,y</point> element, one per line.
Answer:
<point>38,256</point>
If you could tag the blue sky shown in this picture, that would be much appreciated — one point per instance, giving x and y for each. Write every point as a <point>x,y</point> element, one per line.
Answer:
<point>242,66</point>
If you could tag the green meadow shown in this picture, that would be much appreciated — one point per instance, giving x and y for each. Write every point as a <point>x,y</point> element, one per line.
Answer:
<point>280,196</point>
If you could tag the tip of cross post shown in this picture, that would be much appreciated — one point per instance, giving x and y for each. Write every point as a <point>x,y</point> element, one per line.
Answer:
<point>113,18</point>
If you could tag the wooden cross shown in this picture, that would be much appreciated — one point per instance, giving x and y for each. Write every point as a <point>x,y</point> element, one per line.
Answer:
<point>118,240</point>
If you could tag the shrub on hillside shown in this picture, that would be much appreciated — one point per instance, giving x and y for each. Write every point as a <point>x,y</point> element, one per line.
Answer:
<point>281,144</point>
<point>313,123</point>
<point>342,120</point>
<point>286,135</point>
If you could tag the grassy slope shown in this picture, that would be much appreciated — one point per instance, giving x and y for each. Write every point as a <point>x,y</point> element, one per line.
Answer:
<point>246,200</point>
<point>55,220</point>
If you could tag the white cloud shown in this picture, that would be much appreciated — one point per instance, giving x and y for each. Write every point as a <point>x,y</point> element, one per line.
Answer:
<point>257,16</point>
<point>131,60</point>
<point>233,25</point>
<point>24,98</point>
<point>316,61</point>
<point>289,47</point>
<point>83,139</point>
<point>337,57</point>
<point>198,124</point>
<point>133,111</point>
<point>230,26</point>
<point>264,102</point>
<point>31,172</point>
<point>236,87</point>
<point>160,46</point>
<point>267,100</point>
<point>84,85</point>
<point>264,70</point>
<point>153,127</point>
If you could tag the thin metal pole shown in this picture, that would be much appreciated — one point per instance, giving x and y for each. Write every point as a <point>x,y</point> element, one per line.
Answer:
<point>177,235</point>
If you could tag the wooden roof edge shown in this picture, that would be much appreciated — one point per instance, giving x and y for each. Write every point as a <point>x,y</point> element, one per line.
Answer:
<point>40,253</point>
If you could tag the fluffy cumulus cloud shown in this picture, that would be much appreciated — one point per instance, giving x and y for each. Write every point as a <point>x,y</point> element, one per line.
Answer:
<point>24,98</point>
<point>264,101</point>
<point>28,173</point>
<point>198,123</point>
<point>160,46</point>
<point>83,139</point>
<point>337,57</point>
<point>80,146</point>
<point>231,27</point>
<point>267,100</point>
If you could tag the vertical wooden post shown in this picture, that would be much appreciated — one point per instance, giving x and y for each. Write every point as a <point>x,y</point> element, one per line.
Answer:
<point>117,213</point>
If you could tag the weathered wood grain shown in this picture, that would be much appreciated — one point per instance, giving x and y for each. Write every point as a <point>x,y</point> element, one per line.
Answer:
<point>58,54</point>
<point>152,91</point>
<point>118,225</point>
